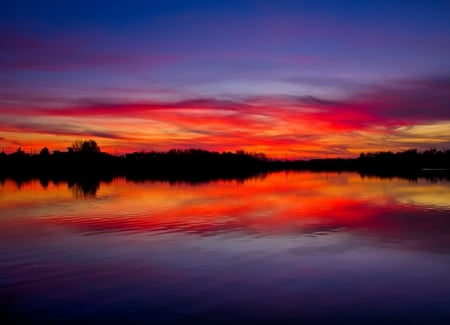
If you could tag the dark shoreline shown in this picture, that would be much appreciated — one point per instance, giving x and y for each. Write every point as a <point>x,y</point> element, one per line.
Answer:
<point>199,166</point>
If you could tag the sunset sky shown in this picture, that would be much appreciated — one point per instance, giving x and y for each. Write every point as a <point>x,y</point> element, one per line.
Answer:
<point>294,79</point>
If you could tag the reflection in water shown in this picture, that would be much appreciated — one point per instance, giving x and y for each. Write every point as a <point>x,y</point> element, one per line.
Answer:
<point>293,247</point>
<point>86,188</point>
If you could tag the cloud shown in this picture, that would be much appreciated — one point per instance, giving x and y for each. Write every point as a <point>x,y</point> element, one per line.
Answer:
<point>22,53</point>
<point>55,128</point>
<point>413,113</point>
<point>62,60</point>
<point>416,99</point>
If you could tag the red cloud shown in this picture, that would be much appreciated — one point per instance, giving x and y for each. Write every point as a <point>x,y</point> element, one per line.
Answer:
<point>278,126</point>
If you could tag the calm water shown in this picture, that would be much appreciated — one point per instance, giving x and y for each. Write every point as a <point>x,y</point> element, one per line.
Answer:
<point>297,247</point>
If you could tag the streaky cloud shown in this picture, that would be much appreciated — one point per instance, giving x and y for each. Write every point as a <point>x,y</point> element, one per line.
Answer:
<point>395,115</point>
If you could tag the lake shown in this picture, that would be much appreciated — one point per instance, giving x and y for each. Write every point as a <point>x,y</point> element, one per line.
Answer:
<point>282,248</point>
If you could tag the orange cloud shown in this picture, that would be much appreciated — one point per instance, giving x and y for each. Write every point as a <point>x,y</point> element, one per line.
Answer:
<point>282,127</point>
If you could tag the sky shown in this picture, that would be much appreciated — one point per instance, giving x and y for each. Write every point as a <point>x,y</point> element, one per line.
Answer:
<point>292,79</point>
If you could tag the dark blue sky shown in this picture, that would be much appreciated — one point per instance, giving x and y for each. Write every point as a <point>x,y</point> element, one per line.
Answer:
<point>61,54</point>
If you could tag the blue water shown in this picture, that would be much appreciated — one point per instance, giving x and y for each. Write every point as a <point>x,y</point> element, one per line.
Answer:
<point>288,248</point>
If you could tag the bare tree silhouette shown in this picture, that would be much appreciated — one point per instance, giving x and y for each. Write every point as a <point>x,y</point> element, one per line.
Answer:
<point>89,146</point>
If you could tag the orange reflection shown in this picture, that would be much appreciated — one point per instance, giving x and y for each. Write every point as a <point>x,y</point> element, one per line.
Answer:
<point>281,203</point>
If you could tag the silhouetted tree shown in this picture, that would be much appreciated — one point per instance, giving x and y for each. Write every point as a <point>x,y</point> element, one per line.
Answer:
<point>44,152</point>
<point>76,146</point>
<point>88,146</point>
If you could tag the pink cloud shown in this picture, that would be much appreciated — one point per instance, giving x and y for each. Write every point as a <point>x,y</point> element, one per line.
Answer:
<point>274,125</point>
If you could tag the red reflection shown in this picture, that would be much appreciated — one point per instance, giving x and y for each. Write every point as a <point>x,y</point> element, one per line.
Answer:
<point>280,204</point>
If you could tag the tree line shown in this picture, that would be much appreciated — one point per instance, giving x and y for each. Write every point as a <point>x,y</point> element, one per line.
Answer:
<point>85,160</point>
